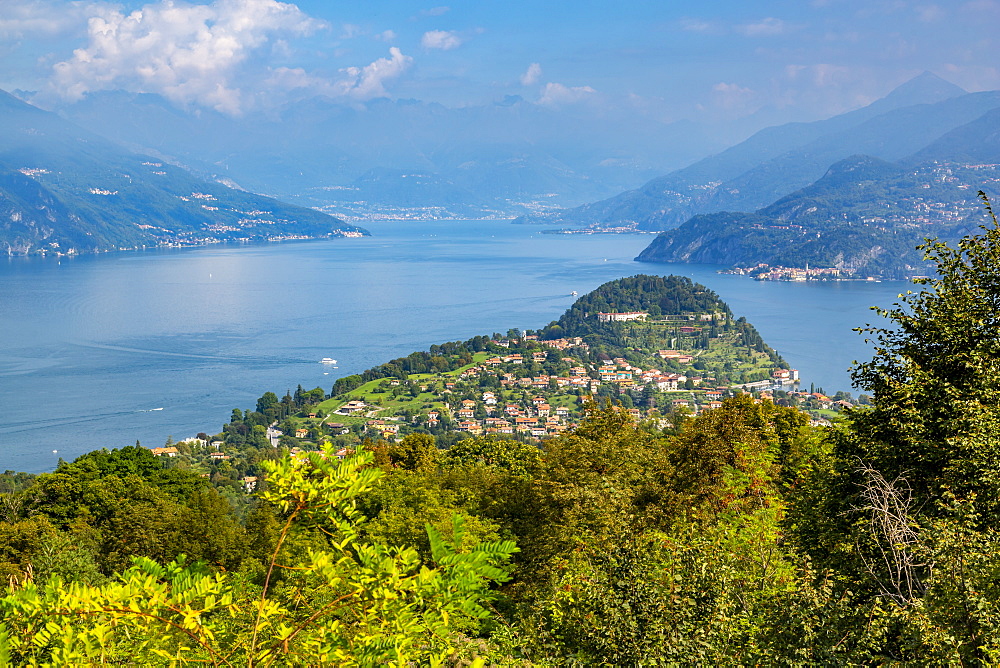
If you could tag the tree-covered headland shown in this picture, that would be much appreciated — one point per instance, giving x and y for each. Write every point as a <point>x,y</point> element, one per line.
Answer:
<point>744,535</point>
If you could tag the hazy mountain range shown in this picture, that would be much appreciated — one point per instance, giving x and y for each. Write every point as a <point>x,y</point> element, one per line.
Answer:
<point>779,160</point>
<point>146,172</point>
<point>66,190</point>
<point>394,158</point>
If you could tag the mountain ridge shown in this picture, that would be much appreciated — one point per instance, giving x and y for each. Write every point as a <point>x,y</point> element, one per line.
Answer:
<point>780,159</point>
<point>308,151</point>
<point>65,190</point>
<point>863,218</point>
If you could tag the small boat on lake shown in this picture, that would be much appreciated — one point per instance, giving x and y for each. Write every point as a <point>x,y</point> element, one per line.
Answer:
<point>328,360</point>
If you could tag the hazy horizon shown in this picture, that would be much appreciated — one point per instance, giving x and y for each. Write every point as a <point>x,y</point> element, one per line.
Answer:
<point>733,66</point>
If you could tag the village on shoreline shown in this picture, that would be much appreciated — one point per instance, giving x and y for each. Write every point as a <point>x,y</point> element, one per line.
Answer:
<point>524,388</point>
<point>766,272</point>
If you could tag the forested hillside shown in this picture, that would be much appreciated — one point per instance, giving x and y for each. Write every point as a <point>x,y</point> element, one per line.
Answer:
<point>865,217</point>
<point>742,536</point>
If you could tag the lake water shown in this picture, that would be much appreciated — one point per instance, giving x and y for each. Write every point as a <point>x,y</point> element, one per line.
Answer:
<point>101,351</point>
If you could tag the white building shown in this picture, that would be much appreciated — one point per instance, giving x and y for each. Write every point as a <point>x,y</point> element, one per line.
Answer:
<point>622,317</point>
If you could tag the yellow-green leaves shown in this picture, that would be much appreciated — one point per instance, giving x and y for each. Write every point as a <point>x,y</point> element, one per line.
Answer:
<point>354,603</point>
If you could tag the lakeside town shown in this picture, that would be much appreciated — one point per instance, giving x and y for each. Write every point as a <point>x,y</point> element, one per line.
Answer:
<point>765,272</point>
<point>525,408</point>
<point>518,387</point>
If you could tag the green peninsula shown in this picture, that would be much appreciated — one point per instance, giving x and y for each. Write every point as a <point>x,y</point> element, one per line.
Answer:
<point>653,344</point>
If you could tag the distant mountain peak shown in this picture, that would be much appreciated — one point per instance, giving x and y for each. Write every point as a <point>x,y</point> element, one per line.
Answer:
<point>924,88</point>
<point>10,100</point>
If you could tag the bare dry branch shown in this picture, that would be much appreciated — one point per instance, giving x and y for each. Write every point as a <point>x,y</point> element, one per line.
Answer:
<point>894,534</point>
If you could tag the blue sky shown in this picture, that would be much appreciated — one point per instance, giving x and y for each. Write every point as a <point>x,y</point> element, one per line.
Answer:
<point>778,60</point>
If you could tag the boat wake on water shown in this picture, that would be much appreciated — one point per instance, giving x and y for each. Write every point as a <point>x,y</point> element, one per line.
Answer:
<point>28,425</point>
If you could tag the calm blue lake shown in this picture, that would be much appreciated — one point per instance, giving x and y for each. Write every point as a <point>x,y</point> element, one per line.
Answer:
<point>91,348</point>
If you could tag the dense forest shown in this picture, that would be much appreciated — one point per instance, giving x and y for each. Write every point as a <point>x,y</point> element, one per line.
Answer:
<point>675,298</point>
<point>741,536</point>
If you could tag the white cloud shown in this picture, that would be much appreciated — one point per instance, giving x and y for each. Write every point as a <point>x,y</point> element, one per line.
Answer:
<point>768,27</point>
<point>723,87</point>
<point>980,6</point>
<point>440,39</point>
<point>825,89</point>
<point>188,53</point>
<point>44,18</point>
<point>531,75</point>
<point>556,94</point>
<point>435,11</point>
<point>350,31</point>
<point>365,83</point>
<point>793,71</point>
<point>973,77</point>
<point>731,96</point>
<point>697,25</point>
<point>930,14</point>
<point>386,36</point>
<point>825,75</point>
<point>358,83</point>
<point>822,75</point>
<point>291,78</point>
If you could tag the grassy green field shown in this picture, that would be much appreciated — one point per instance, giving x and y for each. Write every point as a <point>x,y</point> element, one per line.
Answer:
<point>380,393</point>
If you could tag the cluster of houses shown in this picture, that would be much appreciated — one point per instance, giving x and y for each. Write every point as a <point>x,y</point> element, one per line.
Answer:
<point>617,371</point>
<point>491,414</point>
<point>643,315</point>
<point>766,272</point>
<point>537,419</point>
<point>821,400</point>
<point>563,344</point>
